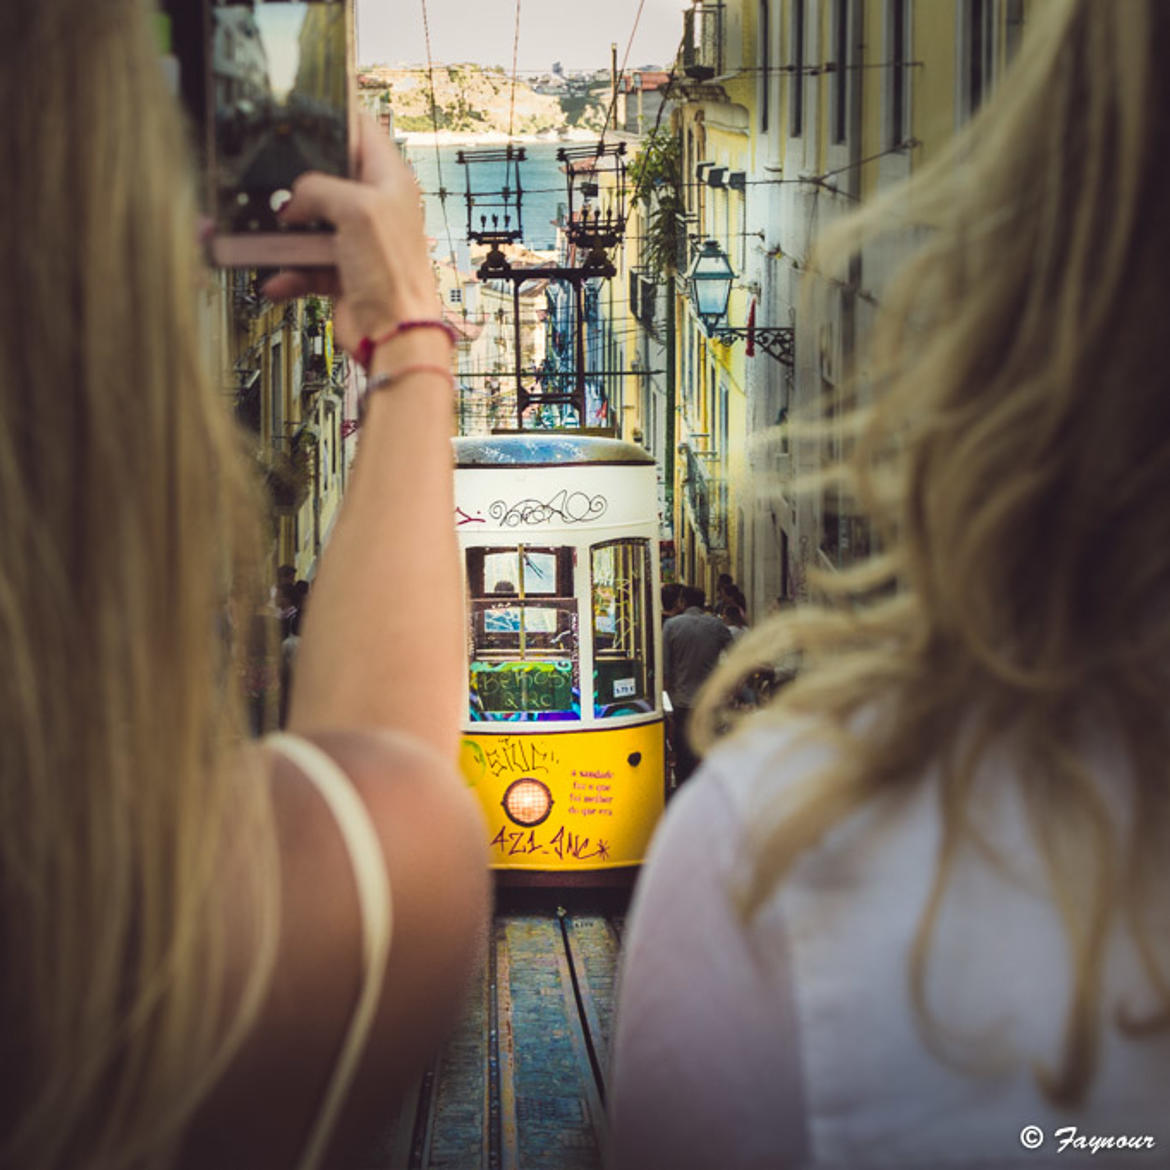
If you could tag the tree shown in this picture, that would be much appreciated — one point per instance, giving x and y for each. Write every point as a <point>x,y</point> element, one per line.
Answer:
<point>656,172</point>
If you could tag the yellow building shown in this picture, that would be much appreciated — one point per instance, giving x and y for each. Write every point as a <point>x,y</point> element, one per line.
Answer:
<point>287,377</point>
<point>791,111</point>
<point>716,89</point>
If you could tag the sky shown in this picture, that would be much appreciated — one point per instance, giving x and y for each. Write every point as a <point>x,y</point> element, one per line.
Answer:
<point>280,27</point>
<point>577,33</point>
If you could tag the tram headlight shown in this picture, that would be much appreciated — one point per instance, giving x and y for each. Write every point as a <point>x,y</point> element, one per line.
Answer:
<point>527,802</point>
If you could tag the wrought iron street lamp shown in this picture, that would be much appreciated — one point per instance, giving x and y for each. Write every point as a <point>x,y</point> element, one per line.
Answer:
<point>709,283</point>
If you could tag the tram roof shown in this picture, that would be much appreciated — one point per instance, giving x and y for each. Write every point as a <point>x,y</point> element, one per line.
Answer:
<point>536,449</point>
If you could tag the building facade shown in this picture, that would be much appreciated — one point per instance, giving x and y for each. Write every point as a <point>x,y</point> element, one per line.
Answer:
<point>788,114</point>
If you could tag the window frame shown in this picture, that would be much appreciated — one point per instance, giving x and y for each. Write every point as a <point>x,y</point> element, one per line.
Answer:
<point>484,660</point>
<point>644,700</point>
<point>797,37</point>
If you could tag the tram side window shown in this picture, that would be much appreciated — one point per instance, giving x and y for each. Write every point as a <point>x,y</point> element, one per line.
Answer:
<point>524,658</point>
<point>623,634</point>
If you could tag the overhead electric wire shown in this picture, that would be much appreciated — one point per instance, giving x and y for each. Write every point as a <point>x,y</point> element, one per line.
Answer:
<point>515,55</point>
<point>808,180</point>
<point>670,77</point>
<point>442,195</point>
<point>597,81</point>
<point>621,73</point>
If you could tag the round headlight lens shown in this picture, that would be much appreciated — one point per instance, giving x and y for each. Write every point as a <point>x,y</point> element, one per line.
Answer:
<point>527,802</point>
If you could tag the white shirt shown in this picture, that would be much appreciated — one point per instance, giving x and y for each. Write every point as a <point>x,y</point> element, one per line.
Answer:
<point>792,1041</point>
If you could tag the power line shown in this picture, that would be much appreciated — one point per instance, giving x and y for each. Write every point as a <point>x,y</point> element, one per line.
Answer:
<point>515,54</point>
<point>622,71</point>
<point>696,184</point>
<point>825,67</point>
<point>662,103</point>
<point>595,82</point>
<point>435,124</point>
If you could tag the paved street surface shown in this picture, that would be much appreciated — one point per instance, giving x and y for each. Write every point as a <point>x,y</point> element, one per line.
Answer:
<point>521,1084</point>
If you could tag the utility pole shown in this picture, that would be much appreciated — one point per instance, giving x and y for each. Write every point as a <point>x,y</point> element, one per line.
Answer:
<point>614,75</point>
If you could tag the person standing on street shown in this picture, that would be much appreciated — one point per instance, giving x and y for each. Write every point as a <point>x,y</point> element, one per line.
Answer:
<point>672,602</point>
<point>219,950</point>
<point>692,642</point>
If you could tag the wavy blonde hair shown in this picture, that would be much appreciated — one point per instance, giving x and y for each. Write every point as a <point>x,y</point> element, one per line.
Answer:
<point>1014,458</point>
<point>128,515</point>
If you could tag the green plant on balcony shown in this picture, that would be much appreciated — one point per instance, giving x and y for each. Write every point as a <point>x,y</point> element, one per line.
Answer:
<point>316,315</point>
<point>656,173</point>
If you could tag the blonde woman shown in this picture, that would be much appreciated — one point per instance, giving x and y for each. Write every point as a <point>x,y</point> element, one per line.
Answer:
<point>916,914</point>
<point>214,954</point>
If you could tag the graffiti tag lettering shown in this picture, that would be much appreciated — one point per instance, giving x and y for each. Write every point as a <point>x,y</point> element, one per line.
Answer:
<point>514,753</point>
<point>521,843</point>
<point>568,844</point>
<point>566,506</point>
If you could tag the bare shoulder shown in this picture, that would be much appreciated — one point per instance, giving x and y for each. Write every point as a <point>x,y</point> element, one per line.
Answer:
<point>433,845</point>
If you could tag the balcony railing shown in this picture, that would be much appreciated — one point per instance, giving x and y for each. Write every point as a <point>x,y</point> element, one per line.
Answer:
<point>247,393</point>
<point>645,298</point>
<point>703,41</point>
<point>707,498</point>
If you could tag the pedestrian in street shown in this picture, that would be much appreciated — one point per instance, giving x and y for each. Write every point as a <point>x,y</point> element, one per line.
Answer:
<point>287,608</point>
<point>724,584</point>
<point>217,951</point>
<point>692,642</point>
<point>301,591</point>
<point>672,600</point>
<point>734,620</point>
<point>916,913</point>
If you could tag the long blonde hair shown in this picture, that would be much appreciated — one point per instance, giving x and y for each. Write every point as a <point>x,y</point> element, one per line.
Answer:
<point>1014,457</point>
<point>128,515</point>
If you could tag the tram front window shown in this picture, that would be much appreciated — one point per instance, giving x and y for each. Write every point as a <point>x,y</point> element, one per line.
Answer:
<point>524,634</point>
<point>623,638</point>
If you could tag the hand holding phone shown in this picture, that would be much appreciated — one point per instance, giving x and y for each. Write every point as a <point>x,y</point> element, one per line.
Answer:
<point>383,269</point>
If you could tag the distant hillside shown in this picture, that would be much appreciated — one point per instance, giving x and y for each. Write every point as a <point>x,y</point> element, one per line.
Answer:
<point>471,99</point>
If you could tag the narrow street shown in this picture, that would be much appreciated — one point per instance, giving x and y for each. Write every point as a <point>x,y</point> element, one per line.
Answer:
<point>522,1081</point>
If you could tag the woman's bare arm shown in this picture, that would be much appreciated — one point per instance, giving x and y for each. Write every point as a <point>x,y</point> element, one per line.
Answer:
<point>382,644</point>
<point>432,837</point>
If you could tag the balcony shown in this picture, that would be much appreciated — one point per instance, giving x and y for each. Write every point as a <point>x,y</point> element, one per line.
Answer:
<point>247,396</point>
<point>645,301</point>
<point>706,494</point>
<point>703,41</point>
<point>291,466</point>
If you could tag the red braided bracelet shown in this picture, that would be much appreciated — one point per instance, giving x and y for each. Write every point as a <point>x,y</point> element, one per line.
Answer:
<point>364,353</point>
<point>393,377</point>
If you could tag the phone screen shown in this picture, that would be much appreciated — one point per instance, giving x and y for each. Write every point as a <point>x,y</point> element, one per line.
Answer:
<point>279,96</point>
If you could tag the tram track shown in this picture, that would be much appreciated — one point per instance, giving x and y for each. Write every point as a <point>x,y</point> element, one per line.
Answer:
<point>521,1084</point>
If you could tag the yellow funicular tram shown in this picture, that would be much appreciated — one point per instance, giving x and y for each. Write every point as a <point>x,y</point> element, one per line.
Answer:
<point>563,740</point>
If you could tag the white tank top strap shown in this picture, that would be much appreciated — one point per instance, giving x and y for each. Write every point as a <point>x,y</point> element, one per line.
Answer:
<point>373,887</point>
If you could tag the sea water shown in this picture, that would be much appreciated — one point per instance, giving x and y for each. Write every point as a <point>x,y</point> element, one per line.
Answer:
<point>542,181</point>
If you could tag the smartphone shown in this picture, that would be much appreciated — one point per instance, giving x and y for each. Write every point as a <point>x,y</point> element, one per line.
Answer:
<point>280,101</point>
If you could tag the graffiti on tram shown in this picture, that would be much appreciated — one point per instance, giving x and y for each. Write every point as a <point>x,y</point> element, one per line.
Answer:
<point>567,800</point>
<point>512,754</point>
<point>562,844</point>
